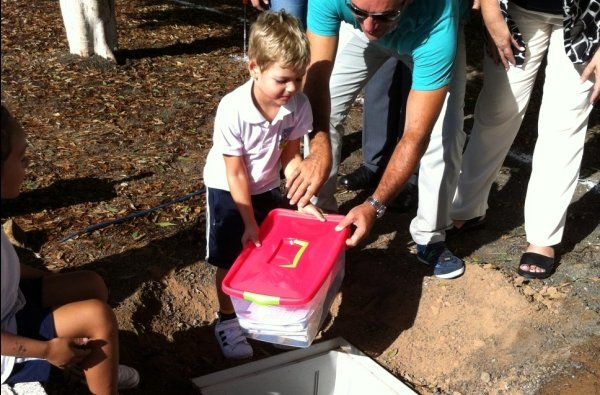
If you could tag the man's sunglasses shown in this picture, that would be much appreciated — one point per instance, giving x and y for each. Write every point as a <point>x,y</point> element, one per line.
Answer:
<point>381,17</point>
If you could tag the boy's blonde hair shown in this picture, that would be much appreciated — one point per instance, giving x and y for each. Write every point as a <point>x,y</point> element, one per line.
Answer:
<point>278,37</point>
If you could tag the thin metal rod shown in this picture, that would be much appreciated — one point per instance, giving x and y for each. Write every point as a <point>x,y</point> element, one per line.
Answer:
<point>245,25</point>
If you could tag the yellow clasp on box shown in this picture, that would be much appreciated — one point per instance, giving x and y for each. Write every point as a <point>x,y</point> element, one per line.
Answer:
<point>264,300</point>
<point>303,245</point>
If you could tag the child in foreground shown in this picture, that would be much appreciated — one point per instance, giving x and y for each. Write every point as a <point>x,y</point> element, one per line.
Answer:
<point>58,319</point>
<point>257,132</point>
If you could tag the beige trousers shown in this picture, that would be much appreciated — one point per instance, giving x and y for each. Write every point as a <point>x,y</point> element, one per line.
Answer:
<point>562,125</point>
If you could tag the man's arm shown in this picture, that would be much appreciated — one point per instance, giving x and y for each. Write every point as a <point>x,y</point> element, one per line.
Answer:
<point>422,111</point>
<point>306,180</point>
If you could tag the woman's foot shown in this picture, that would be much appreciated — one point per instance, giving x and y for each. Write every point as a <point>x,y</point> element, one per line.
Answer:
<point>528,266</point>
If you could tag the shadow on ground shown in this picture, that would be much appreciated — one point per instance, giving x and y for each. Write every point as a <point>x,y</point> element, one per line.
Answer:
<point>196,47</point>
<point>65,193</point>
<point>126,272</point>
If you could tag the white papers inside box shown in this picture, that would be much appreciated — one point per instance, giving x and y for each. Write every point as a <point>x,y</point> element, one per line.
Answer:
<point>294,326</point>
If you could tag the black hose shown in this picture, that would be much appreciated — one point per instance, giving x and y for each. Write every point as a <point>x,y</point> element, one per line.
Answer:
<point>137,214</point>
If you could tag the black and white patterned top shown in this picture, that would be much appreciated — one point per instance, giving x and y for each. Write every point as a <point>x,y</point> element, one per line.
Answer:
<point>581,22</point>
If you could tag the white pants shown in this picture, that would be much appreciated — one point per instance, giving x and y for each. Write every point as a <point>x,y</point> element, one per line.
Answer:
<point>562,125</point>
<point>356,61</point>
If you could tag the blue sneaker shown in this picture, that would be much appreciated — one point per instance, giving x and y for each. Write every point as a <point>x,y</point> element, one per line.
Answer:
<point>444,263</point>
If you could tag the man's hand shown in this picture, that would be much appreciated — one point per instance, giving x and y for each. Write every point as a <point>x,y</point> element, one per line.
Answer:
<point>251,234</point>
<point>592,73</point>
<point>362,217</point>
<point>306,180</point>
<point>308,177</point>
<point>261,5</point>
<point>64,351</point>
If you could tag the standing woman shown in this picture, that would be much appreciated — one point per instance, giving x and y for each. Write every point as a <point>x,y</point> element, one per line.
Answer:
<point>520,34</point>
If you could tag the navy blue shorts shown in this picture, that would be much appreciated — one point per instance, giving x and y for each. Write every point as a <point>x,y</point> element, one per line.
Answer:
<point>224,224</point>
<point>34,322</point>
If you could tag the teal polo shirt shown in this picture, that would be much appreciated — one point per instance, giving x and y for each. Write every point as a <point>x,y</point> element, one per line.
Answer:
<point>426,31</point>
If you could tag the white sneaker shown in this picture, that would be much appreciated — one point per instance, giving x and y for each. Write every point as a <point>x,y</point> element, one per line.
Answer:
<point>231,339</point>
<point>128,377</point>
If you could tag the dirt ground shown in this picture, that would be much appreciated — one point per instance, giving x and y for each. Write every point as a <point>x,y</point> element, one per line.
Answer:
<point>107,140</point>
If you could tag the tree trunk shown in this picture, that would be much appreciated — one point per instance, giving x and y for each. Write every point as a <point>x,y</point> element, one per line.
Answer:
<point>91,27</point>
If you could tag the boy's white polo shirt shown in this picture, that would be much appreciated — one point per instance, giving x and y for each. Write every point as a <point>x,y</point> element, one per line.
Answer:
<point>241,130</point>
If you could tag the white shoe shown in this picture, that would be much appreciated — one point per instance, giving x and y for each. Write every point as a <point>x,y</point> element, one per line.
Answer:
<point>231,339</point>
<point>128,377</point>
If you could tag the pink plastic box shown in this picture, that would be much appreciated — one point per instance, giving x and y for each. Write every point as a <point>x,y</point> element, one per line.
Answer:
<point>282,290</point>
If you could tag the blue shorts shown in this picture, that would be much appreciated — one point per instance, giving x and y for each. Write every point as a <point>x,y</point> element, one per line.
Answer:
<point>224,224</point>
<point>34,322</point>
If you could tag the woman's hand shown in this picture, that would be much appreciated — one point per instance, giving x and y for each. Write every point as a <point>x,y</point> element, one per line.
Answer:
<point>65,351</point>
<point>592,73</point>
<point>499,41</point>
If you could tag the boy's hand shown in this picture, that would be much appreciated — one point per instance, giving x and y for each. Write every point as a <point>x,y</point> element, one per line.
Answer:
<point>66,351</point>
<point>314,210</point>
<point>251,234</point>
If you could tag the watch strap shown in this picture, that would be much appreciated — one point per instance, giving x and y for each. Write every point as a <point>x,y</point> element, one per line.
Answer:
<point>378,206</point>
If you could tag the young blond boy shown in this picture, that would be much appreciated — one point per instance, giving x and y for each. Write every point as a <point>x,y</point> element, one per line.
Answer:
<point>257,132</point>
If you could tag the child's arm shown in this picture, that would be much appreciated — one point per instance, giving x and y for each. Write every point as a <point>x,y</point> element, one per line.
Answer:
<point>60,351</point>
<point>28,272</point>
<point>290,159</point>
<point>239,186</point>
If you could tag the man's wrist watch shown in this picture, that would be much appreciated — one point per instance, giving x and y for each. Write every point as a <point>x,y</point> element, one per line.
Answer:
<point>379,208</point>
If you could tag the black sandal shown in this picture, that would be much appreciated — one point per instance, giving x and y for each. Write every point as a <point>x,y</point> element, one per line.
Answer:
<point>541,261</point>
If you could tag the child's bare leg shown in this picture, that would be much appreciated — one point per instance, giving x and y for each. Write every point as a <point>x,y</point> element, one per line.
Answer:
<point>225,305</point>
<point>95,320</point>
<point>62,288</point>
